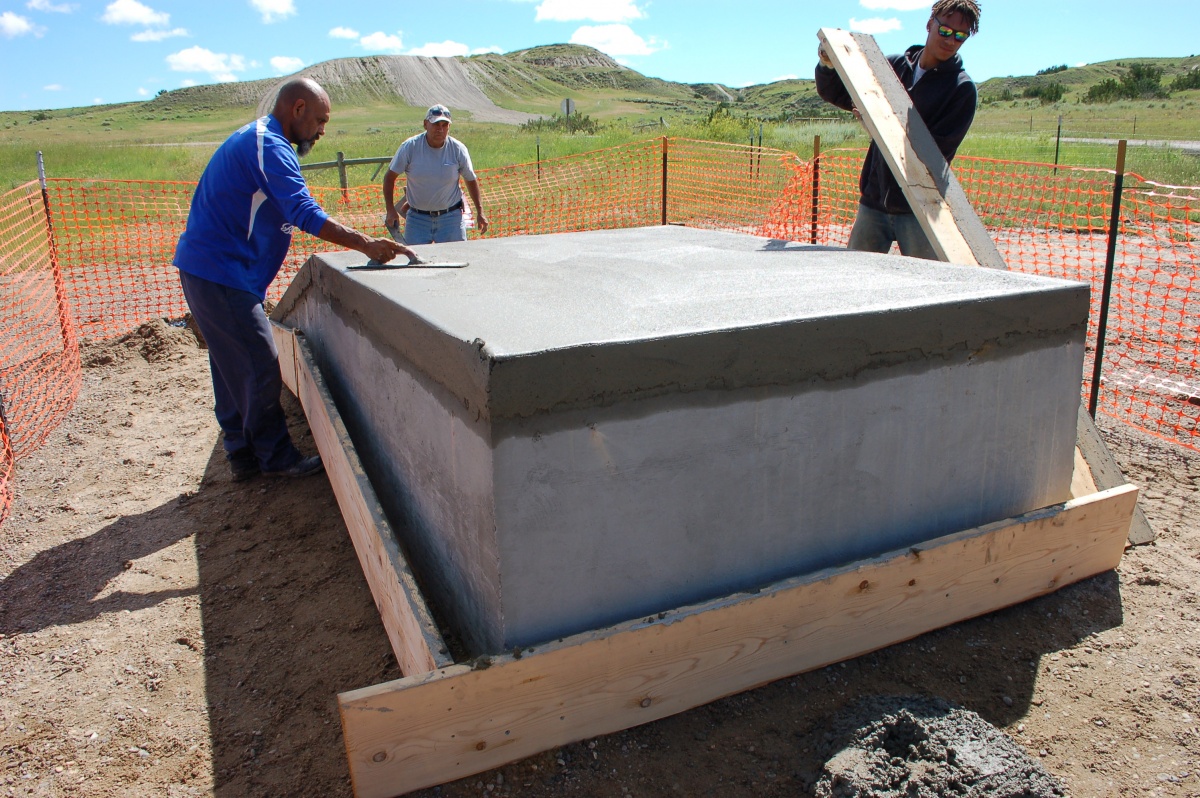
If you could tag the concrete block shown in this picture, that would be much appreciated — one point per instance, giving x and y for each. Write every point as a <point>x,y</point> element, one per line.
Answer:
<point>583,428</point>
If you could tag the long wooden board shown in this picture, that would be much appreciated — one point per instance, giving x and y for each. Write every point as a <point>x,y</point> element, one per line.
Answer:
<point>937,199</point>
<point>415,639</point>
<point>459,720</point>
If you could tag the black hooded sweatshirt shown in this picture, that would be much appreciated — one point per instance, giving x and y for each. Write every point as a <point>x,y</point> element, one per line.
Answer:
<point>945,97</point>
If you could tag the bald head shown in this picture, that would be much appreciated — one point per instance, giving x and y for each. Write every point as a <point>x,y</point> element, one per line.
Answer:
<point>298,89</point>
<point>302,108</point>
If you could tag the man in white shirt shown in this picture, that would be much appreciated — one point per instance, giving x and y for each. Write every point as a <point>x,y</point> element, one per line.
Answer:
<point>432,206</point>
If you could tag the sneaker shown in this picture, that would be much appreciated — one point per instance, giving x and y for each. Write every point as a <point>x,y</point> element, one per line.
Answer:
<point>243,465</point>
<point>304,467</point>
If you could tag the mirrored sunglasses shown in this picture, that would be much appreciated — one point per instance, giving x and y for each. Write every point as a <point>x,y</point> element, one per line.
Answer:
<point>946,32</point>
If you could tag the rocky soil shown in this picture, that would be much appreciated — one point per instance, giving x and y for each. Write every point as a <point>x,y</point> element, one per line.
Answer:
<point>166,632</point>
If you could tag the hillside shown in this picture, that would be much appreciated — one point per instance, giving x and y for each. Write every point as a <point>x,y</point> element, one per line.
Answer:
<point>1077,80</point>
<point>509,88</point>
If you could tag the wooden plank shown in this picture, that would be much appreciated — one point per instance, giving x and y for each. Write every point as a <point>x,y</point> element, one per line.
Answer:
<point>456,721</point>
<point>285,344</point>
<point>1107,474</point>
<point>414,636</point>
<point>1082,483</point>
<point>937,200</point>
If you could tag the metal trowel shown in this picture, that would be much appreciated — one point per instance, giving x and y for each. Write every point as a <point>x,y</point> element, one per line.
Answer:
<point>416,263</point>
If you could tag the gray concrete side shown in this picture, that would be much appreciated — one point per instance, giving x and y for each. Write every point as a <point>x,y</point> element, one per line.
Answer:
<point>606,514</point>
<point>545,323</point>
<point>427,456</point>
<point>580,429</point>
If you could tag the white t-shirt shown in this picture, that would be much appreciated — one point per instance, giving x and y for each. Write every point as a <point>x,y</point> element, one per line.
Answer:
<point>432,183</point>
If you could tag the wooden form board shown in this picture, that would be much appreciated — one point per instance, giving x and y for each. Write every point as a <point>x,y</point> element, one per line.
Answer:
<point>937,199</point>
<point>446,720</point>
<point>929,185</point>
<point>415,639</point>
<point>457,721</point>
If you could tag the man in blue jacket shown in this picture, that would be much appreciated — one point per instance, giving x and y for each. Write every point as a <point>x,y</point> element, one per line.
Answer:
<point>250,199</point>
<point>945,97</point>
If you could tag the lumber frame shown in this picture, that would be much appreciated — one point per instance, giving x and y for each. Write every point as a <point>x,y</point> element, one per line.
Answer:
<point>453,722</point>
<point>415,639</point>
<point>447,720</point>
<point>938,201</point>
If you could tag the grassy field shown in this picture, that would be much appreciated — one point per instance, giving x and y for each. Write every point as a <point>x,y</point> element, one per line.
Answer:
<point>172,136</point>
<point>156,151</point>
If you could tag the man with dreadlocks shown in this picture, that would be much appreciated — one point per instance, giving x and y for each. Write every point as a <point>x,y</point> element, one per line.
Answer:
<point>943,94</point>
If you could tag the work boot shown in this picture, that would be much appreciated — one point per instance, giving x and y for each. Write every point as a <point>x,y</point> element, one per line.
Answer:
<point>304,467</point>
<point>243,465</point>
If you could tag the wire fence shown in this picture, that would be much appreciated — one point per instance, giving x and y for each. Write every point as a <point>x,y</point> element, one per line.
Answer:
<point>98,264</point>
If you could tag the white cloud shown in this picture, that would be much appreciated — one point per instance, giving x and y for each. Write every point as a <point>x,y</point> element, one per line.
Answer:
<point>97,101</point>
<point>896,5</point>
<point>274,10</point>
<point>131,12</point>
<point>53,87</point>
<point>343,33</point>
<point>382,42</point>
<point>286,65</point>
<point>446,49</point>
<point>157,35</point>
<point>186,82</point>
<point>591,10</point>
<point>219,66</point>
<point>874,25</point>
<point>143,92</point>
<point>482,50</point>
<point>12,25</point>
<point>46,5</point>
<point>616,40</point>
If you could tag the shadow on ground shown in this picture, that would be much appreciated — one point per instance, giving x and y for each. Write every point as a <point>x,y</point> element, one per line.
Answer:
<point>288,623</point>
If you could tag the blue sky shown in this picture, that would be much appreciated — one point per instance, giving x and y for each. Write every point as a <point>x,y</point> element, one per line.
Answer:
<point>59,53</point>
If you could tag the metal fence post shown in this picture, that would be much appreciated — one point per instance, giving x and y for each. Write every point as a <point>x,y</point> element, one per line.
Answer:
<point>1114,229</point>
<point>1057,143</point>
<point>816,186</point>
<point>341,165</point>
<point>664,181</point>
<point>60,286</point>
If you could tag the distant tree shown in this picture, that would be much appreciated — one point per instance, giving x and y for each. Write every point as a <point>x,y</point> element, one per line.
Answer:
<point>1188,80</point>
<point>161,92</point>
<point>1047,92</point>
<point>1053,69</point>
<point>1141,81</point>
<point>1106,91</point>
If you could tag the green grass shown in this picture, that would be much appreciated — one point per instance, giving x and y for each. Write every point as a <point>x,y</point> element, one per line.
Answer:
<point>172,136</point>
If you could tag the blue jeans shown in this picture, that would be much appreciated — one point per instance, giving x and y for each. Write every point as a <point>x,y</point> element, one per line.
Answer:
<point>421,228</point>
<point>874,231</point>
<point>245,372</point>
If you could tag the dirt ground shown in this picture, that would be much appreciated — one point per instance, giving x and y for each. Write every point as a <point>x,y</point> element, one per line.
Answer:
<point>166,632</point>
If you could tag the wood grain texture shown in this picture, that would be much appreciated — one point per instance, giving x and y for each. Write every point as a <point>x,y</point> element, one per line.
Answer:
<point>456,721</point>
<point>415,639</point>
<point>1107,474</point>
<point>934,194</point>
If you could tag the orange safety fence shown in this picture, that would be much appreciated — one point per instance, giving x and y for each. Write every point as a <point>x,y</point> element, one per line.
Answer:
<point>39,346</point>
<point>100,264</point>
